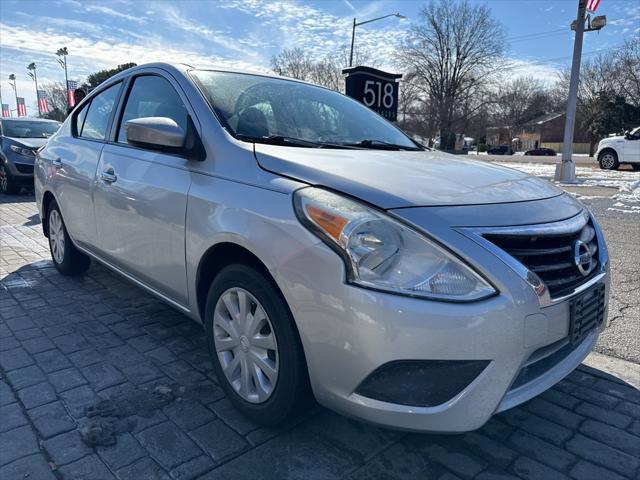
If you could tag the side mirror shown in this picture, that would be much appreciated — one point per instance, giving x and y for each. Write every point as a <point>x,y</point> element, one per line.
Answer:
<point>155,132</point>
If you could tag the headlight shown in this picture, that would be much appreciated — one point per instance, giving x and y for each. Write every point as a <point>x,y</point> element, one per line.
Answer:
<point>27,152</point>
<point>384,254</point>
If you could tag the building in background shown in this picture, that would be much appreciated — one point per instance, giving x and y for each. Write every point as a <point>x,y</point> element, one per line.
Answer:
<point>545,131</point>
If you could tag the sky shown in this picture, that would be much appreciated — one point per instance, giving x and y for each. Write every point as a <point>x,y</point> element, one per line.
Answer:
<point>245,34</point>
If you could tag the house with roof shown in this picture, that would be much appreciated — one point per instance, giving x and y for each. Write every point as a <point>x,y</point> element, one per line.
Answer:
<point>544,131</point>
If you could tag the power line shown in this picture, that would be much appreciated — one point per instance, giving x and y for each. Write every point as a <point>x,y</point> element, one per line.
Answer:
<point>536,33</point>
<point>550,33</point>
<point>553,60</point>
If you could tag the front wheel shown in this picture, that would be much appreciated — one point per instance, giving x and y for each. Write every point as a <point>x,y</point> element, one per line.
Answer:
<point>67,259</point>
<point>254,345</point>
<point>608,160</point>
<point>8,184</point>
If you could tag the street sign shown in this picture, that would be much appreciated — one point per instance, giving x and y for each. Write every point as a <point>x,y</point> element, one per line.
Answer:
<point>592,5</point>
<point>374,88</point>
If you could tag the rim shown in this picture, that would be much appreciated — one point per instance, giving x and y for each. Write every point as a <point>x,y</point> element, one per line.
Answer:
<point>246,345</point>
<point>56,236</point>
<point>607,160</point>
<point>4,181</point>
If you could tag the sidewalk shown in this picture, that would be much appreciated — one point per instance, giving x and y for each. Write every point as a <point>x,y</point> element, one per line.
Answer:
<point>99,380</point>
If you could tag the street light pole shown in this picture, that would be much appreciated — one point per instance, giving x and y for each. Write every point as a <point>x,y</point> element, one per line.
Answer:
<point>357,24</point>
<point>12,78</point>
<point>63,52</point>
<point>566,170</point>
<point>33,74</point>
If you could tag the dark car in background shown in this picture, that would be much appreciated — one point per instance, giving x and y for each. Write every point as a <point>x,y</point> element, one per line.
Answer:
<point>541,151</point>
<point>500,150</point>
<point>19,140</point>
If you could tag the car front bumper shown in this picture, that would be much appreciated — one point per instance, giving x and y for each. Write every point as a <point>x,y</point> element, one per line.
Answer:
<point>349,332</point>
<point>20,168</point>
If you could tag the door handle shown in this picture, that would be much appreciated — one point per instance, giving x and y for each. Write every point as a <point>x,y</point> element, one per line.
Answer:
<point>108,176</point>
<point>57,163</point>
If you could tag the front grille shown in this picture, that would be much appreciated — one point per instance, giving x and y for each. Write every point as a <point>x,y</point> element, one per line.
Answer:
<point>24,168</point>
<point>562,260</point>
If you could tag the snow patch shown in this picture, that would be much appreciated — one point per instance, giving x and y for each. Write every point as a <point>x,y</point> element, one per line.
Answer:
<point>627,183</point>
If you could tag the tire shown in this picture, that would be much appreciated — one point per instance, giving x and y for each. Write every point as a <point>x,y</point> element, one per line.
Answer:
<point>233,343</point>
<point>67,259</point>
<point>608,160</point>
<point>636,167</point>
<point>8,185</point>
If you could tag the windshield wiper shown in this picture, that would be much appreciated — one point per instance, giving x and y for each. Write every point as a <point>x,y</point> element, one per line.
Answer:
<point>291,141</point>
<point>382,145</point>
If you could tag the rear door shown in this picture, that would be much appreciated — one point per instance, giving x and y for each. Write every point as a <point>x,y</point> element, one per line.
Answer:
<point>140,196</point>
<point>74,159</point>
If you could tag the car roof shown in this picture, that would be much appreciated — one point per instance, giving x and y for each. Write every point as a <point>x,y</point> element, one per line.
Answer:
<point>29,119</point>
<point>184,69</point>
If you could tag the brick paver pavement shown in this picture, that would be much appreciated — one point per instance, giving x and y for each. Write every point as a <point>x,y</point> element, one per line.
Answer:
<point>99,380</point>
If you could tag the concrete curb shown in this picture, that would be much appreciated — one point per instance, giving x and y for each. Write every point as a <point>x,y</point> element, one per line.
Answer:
<point>626,371</point>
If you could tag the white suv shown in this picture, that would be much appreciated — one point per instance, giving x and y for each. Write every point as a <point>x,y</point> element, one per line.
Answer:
<point>614,151</point>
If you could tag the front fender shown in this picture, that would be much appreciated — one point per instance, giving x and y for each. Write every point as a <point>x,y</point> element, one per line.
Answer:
<point>258,219</point>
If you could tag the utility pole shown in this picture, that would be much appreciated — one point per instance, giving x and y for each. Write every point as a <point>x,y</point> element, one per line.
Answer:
<point>566,170</point>
<point>34,76</point>
<point>12,78</point>
<point>63,52</point>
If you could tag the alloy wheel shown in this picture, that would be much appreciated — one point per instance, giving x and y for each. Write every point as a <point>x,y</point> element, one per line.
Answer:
<point>607,161</point>
<point>246,345</point>
<point>56,236</point>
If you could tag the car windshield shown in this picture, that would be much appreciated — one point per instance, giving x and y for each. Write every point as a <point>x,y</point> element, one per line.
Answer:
<point>636,132</point>
<point>272,110</point>
<point>29,129</point>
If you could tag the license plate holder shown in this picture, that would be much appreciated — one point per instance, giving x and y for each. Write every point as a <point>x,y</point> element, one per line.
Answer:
<point>586,312</point>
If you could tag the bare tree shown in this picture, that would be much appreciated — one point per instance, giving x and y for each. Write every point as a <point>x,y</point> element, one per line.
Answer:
<point>454,50</point>
<point>628,60</point>
<point>57,100</point>
<point>327,71</point>
<point>599,89</point>
<point>294,63</point>
<point>519,100</point>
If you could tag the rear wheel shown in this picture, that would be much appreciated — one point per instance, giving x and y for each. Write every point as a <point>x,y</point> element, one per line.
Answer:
<point>8,184</point>
<point>608,160</point>
<point>254,345</point>
<point>67,259</point>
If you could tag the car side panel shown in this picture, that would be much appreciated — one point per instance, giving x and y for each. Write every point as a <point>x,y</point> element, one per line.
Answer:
<point>221,210</point>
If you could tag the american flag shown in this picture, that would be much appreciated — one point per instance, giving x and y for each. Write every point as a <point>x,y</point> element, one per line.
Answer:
<point>71,86</point>
<point>592,5</point>
<point>43,105</point>
<point>22,108</point>
<point>5,110</point>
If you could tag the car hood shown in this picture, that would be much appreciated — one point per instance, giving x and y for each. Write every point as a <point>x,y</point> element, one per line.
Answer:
<point>399,179</point>
<point>29,142</point>
<point>617,138</point>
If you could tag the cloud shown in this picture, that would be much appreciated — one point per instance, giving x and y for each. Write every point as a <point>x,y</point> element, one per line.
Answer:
<point>544,72</point>
<point>113,13</point>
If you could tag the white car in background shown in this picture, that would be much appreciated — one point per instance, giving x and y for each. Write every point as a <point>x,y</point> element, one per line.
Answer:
<point>614,151</point>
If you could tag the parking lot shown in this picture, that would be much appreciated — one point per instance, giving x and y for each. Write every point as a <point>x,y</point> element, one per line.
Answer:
<point>99,380</point>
